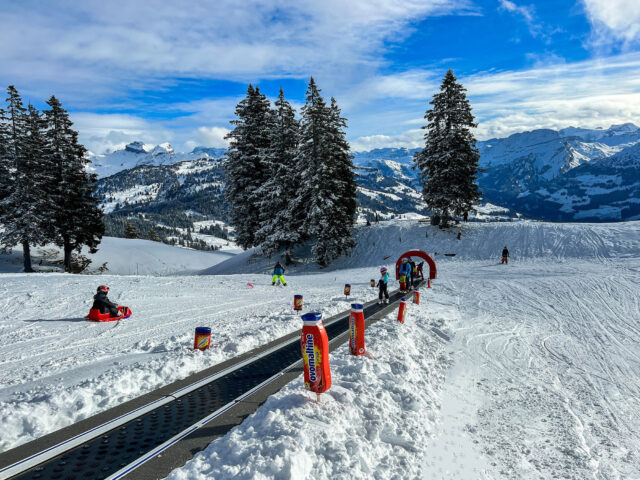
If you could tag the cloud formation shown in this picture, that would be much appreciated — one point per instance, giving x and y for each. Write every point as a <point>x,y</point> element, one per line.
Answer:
<point>593,93</point>
<point>107,56</point>
<point>614,21</point>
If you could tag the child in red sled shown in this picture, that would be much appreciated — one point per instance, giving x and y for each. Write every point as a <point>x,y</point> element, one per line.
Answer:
<point>102,303</point>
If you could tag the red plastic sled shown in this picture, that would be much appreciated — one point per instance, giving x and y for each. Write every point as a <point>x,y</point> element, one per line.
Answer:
<point>96,316</point>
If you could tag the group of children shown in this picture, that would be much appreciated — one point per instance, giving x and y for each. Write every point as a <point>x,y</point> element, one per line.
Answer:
<point>409,273</point>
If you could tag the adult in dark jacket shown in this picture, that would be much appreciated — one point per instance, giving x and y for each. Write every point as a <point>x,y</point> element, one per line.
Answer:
<point>414,272</point>
<point>102,303</point>
<point>505,255</point>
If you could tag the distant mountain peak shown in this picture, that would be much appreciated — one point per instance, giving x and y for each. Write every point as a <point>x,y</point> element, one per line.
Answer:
<point>136,147</point>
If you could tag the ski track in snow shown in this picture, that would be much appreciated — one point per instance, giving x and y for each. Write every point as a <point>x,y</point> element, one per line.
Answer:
<point>551,369</point>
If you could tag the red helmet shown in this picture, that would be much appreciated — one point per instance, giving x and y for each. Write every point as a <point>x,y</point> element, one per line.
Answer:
<point>103,288</point>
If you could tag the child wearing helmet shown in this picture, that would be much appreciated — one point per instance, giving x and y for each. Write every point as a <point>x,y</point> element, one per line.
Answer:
<point>405,274</point>
<point>101,302</point>
<point>382,286</point>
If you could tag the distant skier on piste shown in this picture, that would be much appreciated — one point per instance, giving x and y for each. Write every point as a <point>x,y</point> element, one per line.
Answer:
<point>382,286</point>
<point>278,274</point>
<point>102,303</point>
<point>505,255</point>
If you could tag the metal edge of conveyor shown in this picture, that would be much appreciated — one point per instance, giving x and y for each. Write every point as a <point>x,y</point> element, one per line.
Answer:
<point>60,448</point>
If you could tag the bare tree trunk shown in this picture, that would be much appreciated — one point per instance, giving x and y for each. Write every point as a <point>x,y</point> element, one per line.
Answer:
<point>67,255</point>
<point>26,256</point>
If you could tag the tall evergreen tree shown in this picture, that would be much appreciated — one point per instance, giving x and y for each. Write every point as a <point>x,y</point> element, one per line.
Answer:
<point>26,210</point>
<point>78,220</point>
<point>449,161</point>
<point>281,225</point>
<point>327,169</point>
<point>246,165</point>
<point>5,160</point>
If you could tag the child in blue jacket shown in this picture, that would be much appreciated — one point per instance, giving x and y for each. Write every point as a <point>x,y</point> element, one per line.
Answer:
<point>278,274</point>
<point>405,271</point>
<point>382,285</point>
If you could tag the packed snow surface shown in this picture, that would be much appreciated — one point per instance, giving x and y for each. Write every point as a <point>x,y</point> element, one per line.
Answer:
<point>533,371</point>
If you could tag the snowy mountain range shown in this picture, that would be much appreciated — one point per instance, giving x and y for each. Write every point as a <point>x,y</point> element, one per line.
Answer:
<point>136,154</point>
<point>573,174</point>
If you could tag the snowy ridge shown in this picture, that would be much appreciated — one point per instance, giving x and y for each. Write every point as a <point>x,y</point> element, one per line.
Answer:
<point>136,154</point>
<point>527,240</point>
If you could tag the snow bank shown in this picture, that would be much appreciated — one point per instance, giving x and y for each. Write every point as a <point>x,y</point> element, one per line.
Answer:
<point>374,422</point>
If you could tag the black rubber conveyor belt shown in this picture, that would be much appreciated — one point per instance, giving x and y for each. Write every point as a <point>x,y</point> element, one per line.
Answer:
<point>116,453</point>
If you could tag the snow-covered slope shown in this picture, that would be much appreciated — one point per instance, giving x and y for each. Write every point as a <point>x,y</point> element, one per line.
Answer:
<point>125,257</point>
<point>526,240</point>
<point>539,378</point>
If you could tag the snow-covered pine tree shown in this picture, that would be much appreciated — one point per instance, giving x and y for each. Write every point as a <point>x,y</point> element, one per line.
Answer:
<point>340,152</point>
<point>26,212</point>
<point>449,161</point>
<point>281,224</point>
<point>78,219</point>
<point>5,162</point>
<point>323,155</point>
<point>246,165</point>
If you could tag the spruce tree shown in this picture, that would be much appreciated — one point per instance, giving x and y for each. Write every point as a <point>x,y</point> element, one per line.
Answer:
<point>78,219</point>
<point>325,198</point>
<point>130,231</point>
<point>153,236</point>
<point>246,166</point>
<point>5,160</point>
<point>281,225</point>
<point>26,212</point>
<point>449,161</point>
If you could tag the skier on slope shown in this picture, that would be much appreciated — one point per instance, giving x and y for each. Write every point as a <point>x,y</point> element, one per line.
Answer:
<point>505,255</point>
<point>102,303</point>
<point>382,285</point>
<point>278,274</point>
<point>405,273</point>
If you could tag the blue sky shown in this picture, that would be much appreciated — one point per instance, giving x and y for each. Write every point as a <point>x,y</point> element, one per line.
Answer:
<point>161,71</point>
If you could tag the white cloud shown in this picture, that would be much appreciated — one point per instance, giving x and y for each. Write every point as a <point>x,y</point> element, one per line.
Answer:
<point>408,139</point>
<point>525,12</point>
<point>536,28</point>
<point>593,93</point>
<point>213,136</point>
<point>614,20</point>
<point>95,48</point>
<point>107,132</point>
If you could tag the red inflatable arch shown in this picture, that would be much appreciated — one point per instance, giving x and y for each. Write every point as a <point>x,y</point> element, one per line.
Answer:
<point>417,253</point>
